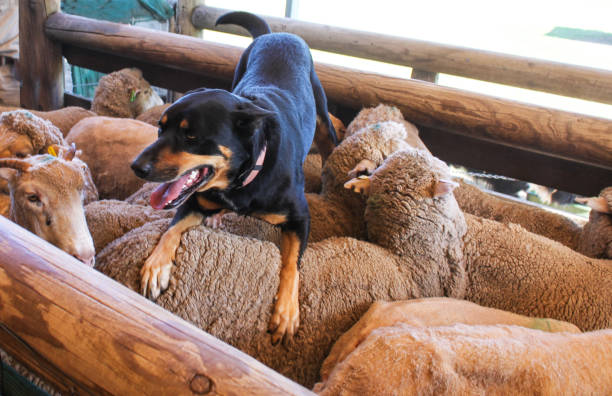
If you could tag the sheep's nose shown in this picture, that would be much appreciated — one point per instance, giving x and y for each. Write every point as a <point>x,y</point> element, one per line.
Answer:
<point>141,170</point>
<point>88,258</point>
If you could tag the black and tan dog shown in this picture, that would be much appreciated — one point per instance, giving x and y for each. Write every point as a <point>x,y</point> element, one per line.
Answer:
<point>242,151</point>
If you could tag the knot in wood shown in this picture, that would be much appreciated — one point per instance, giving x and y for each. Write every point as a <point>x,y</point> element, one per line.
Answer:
<point>200,384</point>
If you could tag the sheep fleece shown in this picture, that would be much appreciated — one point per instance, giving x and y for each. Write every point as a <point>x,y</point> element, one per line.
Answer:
<point>475,360</point>
<point>225,284</point>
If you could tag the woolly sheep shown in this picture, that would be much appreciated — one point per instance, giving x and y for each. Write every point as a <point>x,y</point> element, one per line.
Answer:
<point>464,359</point>
<point>153,115</point>
<point>596,235</point>
<point>63,118</point>
<point>477,202</point>
<point>382,113</point>
<point>225,284</point>
<point>592,239</point>
<point>108,146</point>
<point>509,268</point>
<point>429,312</point>
<point>426,312</point>
<point>47,199</point>
<point>111,219</point>
<point>124,94</point>
<point>23,134</point>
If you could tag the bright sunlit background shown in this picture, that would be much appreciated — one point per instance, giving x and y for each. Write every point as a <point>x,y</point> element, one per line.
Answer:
<point>520,27</point>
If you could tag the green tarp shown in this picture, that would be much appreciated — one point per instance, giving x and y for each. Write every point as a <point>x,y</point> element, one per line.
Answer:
<point>84,81</point>
<point>122,11</point>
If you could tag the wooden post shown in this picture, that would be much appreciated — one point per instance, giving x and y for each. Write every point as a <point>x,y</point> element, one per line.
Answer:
<point>184,10</point>
<point>87,334</point>
<point>291,7</point>
<point>423,75</point>
<point>40,59</point>
<point>183,25</point>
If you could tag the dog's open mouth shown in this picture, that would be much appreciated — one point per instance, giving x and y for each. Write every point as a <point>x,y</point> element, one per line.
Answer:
<point>172,194</point>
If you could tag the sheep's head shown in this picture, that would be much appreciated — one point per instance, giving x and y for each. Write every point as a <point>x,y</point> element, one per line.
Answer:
<point>373,143</point>
<point>410,205</point>
<point>47,199</point>
<point>596,237</point>
<point>22,134</point>
<point>124,93</point>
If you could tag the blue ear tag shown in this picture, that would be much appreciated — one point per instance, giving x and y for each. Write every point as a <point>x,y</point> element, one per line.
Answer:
<point>47,158</point>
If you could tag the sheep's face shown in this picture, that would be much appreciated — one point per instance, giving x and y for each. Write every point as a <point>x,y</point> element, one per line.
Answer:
<point>205,142</point>
<point>596,238</point>
<point>14,144</point>
<point>47,199</point>
<point>143,98</point>
<point>414,174</point>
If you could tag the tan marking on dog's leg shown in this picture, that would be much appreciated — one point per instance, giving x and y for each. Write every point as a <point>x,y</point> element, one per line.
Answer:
<point>360,185</point>
<point>285,318</point>
<point>272,218</point>
<point>155,273</point>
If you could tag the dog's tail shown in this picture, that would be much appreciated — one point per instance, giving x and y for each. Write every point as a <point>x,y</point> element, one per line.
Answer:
<point>254,24</point>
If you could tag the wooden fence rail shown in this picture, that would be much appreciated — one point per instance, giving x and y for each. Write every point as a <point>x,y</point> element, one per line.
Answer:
<point>558,78</point>
<point>87,334</point>
<point>188,62</point>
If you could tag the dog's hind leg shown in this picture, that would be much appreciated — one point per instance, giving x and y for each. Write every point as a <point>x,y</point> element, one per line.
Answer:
<point>285,318</point>
<point>325,135</point>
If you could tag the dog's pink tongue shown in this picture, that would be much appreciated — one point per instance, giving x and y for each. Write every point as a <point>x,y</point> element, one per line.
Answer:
<point>167,193</point>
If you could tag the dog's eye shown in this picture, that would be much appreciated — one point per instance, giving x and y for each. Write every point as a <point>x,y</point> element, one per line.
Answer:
<point>190,137</point>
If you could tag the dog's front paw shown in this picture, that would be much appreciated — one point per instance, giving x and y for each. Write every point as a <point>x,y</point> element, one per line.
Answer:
<point>155,276</point>
<point>285,318</point>
<point>360,185</point>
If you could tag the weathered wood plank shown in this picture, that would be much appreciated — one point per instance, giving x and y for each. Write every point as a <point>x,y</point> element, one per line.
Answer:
<point>536,128</point>
<point>81,327</point>
<point>40,63</point>
<point>71,99</point>
<point>554,77</point>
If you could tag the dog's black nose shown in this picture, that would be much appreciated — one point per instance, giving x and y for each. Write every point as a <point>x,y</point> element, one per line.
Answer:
<point>141,170</point>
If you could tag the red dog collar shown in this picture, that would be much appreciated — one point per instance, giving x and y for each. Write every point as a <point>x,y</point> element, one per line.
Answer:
<point>258,166</point>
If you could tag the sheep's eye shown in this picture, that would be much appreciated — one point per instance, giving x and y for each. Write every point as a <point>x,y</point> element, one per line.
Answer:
<point>33,198</point>
<point>48,222</point>
<point>20,155</point>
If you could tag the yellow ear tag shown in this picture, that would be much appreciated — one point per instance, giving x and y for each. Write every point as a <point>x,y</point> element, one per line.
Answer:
<point>51,151</point>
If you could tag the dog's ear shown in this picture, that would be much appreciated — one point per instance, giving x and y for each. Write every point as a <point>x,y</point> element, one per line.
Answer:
<point>248,116</point>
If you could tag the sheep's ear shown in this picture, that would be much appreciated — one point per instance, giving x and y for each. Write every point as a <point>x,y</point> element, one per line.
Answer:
<point>598,204</point>
<point>444,187</point>
<point>7,174</point>
<point>9,168</point>
<point>68,153</point>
